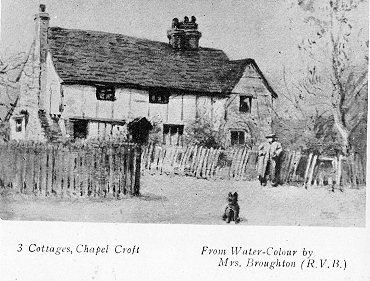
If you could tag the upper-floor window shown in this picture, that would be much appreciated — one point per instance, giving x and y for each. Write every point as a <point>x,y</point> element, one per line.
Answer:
<point>158,97</point>
<point>18,124</point>
<point>105,93</point>
<point>245,104</point>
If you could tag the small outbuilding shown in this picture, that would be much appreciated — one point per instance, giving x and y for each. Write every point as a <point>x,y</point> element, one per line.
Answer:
<point>139,130</point>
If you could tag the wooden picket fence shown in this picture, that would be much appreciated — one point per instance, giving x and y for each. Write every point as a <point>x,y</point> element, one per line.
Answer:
<point>240,163</point>
<point>73,170</point>
<point>113,169</point>
<point>335,172</point>
<point>191,160</point>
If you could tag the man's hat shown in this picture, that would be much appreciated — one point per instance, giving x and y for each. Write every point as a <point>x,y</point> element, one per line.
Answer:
<point>271,136</point>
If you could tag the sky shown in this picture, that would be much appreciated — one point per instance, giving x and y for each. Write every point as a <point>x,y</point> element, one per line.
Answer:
<point>267,31</point>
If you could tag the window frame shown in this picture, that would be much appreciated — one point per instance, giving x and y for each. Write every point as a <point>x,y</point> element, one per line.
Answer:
<point>240,136</point>
<point>159,97</point>
<point>249,104</point>
<point>18,125</point>
<point>105,93</point>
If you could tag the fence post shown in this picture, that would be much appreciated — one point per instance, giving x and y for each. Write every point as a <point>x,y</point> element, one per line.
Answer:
<point>312,170</point>
<point>58,169</point>
<point>194,159</point>
<point>209,162</point>
<point>71,163</point>
<point>37,167</point>
<point>199,162</point>
<point>127,153</point>
<point>305,179</point>
<point>138,152</point>
<point>63,173</point>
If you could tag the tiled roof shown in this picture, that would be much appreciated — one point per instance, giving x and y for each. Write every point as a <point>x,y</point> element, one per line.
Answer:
<point>100,57</point>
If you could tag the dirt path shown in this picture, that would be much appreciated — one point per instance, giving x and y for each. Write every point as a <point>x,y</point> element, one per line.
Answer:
<point>189,200</point>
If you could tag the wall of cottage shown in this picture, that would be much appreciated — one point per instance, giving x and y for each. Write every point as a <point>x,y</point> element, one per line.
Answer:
<point>105,117</point>
<point>52,99</point>
<point>256,124</point>
<point>80,102</point>
<point>28,104</point>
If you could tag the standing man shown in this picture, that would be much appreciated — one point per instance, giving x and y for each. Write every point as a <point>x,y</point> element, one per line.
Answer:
<point>268,155</point>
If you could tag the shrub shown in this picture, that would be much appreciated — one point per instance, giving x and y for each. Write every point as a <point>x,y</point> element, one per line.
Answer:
<point>202,132</point>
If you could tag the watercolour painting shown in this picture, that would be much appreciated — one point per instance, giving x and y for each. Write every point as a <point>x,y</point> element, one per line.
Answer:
<point>240,112</point>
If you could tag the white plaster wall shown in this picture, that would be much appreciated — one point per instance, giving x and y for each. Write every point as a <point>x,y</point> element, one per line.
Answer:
<point>93,130</point>
<point>52,94</point>
<point>204,106</point>
<point>122,103</point>
<point>175,109</point>
<point>80,102</point>
<point>218,108</point>
<point>28,96</point>
<point>158,112</point>
<point>14,135</point>
<point>189,108</point>
<point>139,105</point>
<point>89,102</point>
<point>73,101</point>
<point>105,109</point>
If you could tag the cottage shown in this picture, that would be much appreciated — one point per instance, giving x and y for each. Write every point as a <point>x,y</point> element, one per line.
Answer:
<point>86,84</point>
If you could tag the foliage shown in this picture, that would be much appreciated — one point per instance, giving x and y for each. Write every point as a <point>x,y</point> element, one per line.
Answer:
<point>155,134</point>
<point>202,132</point>
<point>4,131</point>
<point>315,134</point>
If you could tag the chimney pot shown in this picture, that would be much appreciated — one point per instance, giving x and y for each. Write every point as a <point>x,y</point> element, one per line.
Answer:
<point>42,8</point>
<point>184,35</point>
<point>175,23</point>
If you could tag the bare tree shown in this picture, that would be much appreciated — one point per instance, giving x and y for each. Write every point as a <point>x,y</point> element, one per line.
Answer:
<point>336,51</point>
<point>10,71</point>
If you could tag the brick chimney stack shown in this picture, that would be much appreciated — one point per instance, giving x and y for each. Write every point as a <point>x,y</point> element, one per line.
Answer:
<point>184,35</point>
<point>42,24</point>
<point>41,49</point>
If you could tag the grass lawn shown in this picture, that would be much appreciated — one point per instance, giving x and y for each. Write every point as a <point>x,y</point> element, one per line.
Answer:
<point>180,200</point>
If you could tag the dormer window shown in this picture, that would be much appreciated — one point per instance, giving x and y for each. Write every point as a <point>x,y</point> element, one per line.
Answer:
<point>105,93</point>
<point>158,97</point>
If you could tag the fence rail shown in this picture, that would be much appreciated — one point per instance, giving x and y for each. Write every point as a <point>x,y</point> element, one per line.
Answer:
<point>240,163</point>
<point>75,170</point>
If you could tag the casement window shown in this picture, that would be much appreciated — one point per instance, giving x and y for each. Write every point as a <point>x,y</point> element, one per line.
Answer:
<point>172,134</point>
<point>237,137</point>
<point>18,125</point>
<point>245,104</point>
<point>158,97</point>
<point>106,93</point>
<point>80,129</point>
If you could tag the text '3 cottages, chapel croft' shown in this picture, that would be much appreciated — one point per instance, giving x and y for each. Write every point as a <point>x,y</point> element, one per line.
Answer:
<point>88,84</point>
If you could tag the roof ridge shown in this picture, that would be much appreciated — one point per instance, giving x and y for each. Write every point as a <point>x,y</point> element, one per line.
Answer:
<point>131,37</point>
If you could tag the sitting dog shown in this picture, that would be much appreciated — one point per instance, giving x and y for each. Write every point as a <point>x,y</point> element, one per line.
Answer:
<point>232,209</point>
